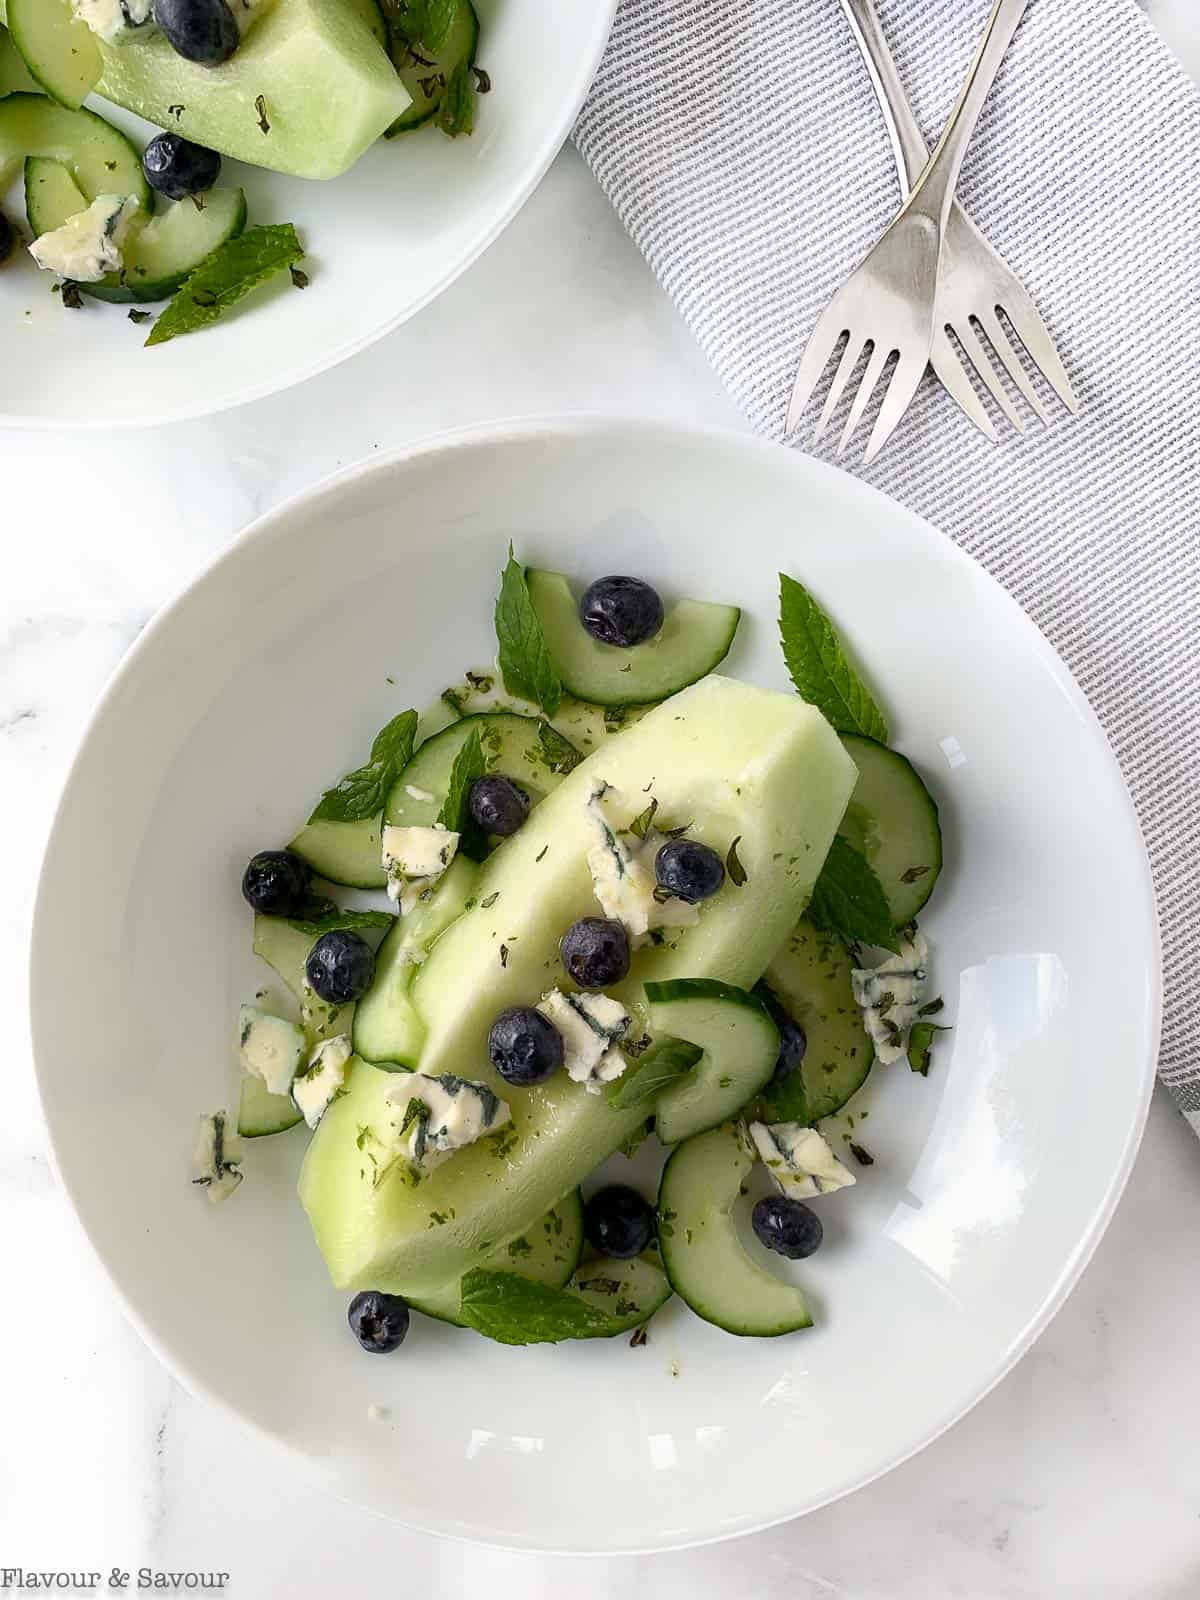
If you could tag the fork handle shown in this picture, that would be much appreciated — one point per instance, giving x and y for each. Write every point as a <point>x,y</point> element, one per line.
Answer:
<point>933,192</point>
<point>908,142</point>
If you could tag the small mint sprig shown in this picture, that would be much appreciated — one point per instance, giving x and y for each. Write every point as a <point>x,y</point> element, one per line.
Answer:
<point>526,664</point>
<point>361,793</point>
<point>820,668</point>
<point>848,900</point>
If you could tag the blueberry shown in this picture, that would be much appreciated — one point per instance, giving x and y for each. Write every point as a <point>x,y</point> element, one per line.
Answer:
<point>618,1222</point>
<point>340,967</point>
<point>524,1046</point>
<point>276,883</point>
<point>793,1041</point>
<point>8,237</point>
<point>177,168</point>
<point>498,805</point>
<point>199,30</point>
<point>688,870</point>
<point>379,1321</point>
<point>621,611</point>
<point>595,951</point>
<point>787,1227</point>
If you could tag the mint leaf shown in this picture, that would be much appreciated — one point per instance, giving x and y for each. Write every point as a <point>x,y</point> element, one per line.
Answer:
<point>469,764</point>
<point>456,114</point>
<point>227,276</point>
<point>819,668</point>
<point>361,793</point>
<point>920,1045</point>
<point>515,1310</point>
<point>849,900</point>
<point>559,754</point>
<point>662,1065</point>
<point>785,1099</point>
<point>335,919</point>
<point>525,662</point>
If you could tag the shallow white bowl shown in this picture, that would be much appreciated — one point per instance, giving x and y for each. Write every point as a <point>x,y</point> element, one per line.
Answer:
<point>993,1178</point>
<point>383,240</point>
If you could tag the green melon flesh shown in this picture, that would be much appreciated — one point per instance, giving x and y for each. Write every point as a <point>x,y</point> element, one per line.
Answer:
<point>733,760</point>
<point>327,85</point>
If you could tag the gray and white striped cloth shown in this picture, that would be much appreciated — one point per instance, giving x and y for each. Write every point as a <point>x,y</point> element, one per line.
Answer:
<point>741,144</point>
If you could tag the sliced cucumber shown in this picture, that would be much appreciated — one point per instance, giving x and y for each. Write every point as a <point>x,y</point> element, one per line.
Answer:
<point>892,819</point>
<point>261,1113</point>
<point>810,978</point>
<point>693,641</point>
<point>59,50</point>
<point>705,1260</point>
<point>629,1292</point>
<point>585,725</point>
<point>387,1026</point>
<point>740,1044</point>
<point>160,253</point>
<point>15,76</point>
<point>549,1253</point>
<point>350,853</point>
<point>100,159</point>
<point>525,749</point>
<point>427,62</point>
<point>285,949</point>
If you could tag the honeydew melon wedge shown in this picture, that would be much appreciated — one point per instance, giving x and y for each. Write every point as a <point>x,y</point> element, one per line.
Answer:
<point>735,761</point>
<point>309,89</point>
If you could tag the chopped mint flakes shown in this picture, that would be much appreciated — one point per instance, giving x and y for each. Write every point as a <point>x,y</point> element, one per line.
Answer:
<point>227,276</point>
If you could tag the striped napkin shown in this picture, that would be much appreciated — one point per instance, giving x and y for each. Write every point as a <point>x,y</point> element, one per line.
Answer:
<point>742,146</point>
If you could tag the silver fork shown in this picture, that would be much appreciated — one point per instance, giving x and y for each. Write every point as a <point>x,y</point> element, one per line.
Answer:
<point>889,301</point>
<point>974,283</point>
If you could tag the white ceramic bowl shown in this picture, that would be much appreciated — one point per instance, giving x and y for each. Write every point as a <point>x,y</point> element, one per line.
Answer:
<point>384,240</point>
<point>993,1178</point>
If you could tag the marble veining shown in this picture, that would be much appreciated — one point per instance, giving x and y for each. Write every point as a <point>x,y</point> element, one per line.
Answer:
<point>1078,1477</point>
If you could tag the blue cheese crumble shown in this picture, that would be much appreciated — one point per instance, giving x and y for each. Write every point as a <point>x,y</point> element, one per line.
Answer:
<point>890,997</point>
<point>316,1086</point>
<point>435,1116</point>
<point>592,1027</point>
<point>116,21</point>
<point>269,1048</point>
<point>798,1159</point>
<point>414,859</point>
<point>621,863</point>
<point>88,245</point>
<point>217,1157</point>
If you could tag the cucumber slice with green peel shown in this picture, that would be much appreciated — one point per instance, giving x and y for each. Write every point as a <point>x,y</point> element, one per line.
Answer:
<point>547,1253</point>
<point>694,639</point>
<point>740,1044</point>
<point>892,820</point>
<point>525,749</point>
<point>159,253</point>
<point>261,1113</point>
<point>285,949</point>
<point>98,157</point>
<point>15,76</point>
<point>737,760</point>
<point>705,1260</point>
<point>629,1291</point>
<point>59,50</point>
<point>444,44</point>
<point>810,978</point>
<point>349,853</point>
<point>585,725</point>
<point>308,91</point>
<point>387,1026</point>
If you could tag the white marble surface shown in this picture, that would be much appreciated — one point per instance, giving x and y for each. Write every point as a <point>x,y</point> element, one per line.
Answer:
<point>1079,1476</point>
